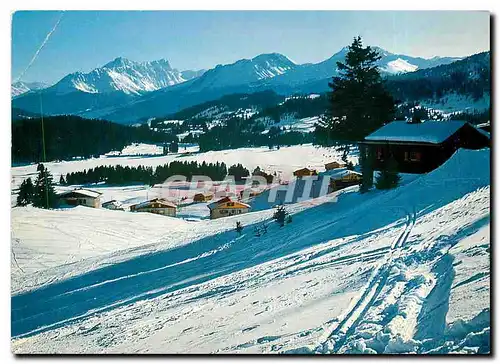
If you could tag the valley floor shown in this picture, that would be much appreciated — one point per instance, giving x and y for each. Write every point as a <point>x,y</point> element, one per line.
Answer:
<point>401,271</point>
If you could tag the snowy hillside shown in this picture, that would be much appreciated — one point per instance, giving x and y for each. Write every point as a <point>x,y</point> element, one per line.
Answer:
<point>244,71</point>
<point>283,161</point>
<point>402,271</point>
<point>123,75</point>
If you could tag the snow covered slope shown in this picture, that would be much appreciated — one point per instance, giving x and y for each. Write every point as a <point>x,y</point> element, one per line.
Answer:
<point>283,161</point>
<point>410,276</point>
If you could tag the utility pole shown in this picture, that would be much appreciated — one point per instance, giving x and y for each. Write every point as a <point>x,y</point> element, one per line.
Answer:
<point>44,157</point>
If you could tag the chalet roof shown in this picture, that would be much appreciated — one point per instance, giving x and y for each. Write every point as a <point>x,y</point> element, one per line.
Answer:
<point>81,192</point>
<point>145,204</point>
<point>340,172</point>
<point>334,162</point>
<point>430,131</point>
<point>215,204</point>
<point>111,202</point>
<point>304,169</point>
<point>204,194</point>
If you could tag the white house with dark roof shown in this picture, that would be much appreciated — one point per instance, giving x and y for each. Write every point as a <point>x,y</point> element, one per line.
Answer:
<point>80,196</point>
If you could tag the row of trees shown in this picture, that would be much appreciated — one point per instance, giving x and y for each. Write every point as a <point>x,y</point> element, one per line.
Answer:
<point>41,193</point>
<point>65,137</point>
<point>119,175</point>
<point>234,135</point>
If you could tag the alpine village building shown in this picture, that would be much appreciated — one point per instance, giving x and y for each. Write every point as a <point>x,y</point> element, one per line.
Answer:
<point>156,206</point>
<point>227,207</point>
<point>80,197</point>
<point>304,172</point>
<point>342,178</point>
<point>333,165</point>
<point>202,197</point>
<point>420,147</point>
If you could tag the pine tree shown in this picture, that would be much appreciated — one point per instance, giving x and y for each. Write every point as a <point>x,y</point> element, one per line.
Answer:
<point>280,215</point>
<point>26,191</point>
<point>358,101</point>
<point>44,195</point>
<point>61,180</point>
<point>388,177</point>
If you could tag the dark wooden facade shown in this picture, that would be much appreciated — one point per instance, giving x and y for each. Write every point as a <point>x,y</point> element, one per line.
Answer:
<point>422,157</point>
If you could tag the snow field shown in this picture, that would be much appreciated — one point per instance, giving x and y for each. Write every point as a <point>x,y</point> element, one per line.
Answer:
<point>382,272</point>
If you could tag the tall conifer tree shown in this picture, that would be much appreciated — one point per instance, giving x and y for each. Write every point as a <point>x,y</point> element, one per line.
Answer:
<point>358,102</point>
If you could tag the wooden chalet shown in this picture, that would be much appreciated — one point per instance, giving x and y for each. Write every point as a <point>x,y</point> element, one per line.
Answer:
<point>333,165</point>
<point>344,178</point>
<point>420,147</point>
<point>227,207</point>
<point>80,197</point>
<point>156,206</point>
<point>202,197</point>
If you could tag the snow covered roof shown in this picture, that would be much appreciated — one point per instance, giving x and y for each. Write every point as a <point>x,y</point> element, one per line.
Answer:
<point>112,202</point>
<point>82,192</point>
<point>430,131</point>
<point>215,204</point>
<point>340,172</point>
<point>156,200</point>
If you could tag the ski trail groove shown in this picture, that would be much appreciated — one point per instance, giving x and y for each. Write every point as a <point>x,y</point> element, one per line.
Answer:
<point>348,325</point>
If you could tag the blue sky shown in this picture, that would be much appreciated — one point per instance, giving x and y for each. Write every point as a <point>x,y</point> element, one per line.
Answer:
<point>84,40</point>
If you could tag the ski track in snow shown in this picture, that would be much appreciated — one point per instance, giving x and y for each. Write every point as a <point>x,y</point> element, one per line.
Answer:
<point>349,324</point>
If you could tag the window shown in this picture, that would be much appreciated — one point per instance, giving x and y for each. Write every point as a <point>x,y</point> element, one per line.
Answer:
<point>223,212</point>
<point>380,154</point>
<point>415,156</point>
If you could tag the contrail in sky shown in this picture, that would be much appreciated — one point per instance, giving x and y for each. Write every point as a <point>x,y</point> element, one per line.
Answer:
<point>47,37</point>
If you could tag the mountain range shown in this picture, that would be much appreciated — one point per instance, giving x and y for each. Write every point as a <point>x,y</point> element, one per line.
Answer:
<point>20,87</point>
<point>126,91</point>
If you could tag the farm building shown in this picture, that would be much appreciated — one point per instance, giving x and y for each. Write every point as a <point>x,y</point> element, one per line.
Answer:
<point>156,206</point>
<point>227,207</point>
<point>112,205</point>
<point>420,147</point>
<point>333,165</point>
<point>202,197</point>
<point>303,172</point>
<point>344,178</point>
<point>80,196</point>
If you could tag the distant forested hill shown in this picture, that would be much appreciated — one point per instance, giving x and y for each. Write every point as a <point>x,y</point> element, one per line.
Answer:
<point>72,136</point>
<point>470,77</point>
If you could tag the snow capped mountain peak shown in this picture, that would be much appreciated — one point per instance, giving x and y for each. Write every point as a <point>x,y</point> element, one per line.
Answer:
<point>20,87</point>
<point>124,75</point>
<point>245,71</point>
<point>399,66</point>
<point>119,62</point>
